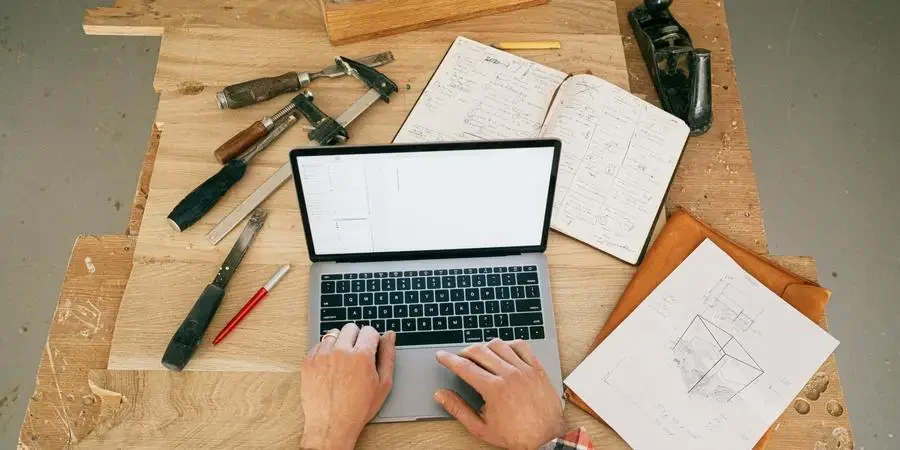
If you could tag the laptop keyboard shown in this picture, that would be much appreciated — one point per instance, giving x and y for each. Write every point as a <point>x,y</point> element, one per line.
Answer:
<point>444,306</point>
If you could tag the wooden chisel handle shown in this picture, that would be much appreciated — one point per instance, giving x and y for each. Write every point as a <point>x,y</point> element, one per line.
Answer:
<point>260,90</point>
<point>240,142</point>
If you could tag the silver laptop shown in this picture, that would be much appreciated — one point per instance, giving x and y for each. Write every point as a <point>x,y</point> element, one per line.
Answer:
<point>442,243</point>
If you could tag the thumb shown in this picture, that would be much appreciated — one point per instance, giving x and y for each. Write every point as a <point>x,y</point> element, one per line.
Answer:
<point>461,411</point>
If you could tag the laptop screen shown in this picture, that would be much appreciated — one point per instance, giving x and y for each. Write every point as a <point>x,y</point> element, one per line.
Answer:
<point>426,198</point>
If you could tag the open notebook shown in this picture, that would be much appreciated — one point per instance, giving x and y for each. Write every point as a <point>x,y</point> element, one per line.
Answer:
<point>619,152</point>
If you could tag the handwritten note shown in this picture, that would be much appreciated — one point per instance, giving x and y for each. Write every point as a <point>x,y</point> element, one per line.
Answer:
<point>619,155</point>
<point>481,93</point>
<point>708,361</point>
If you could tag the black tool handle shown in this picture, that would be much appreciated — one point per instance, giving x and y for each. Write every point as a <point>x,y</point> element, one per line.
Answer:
<point>190,333</point>
<point>258,90</point>
<point>193,206</point>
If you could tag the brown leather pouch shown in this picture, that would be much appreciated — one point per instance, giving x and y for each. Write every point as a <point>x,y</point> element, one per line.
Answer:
<point>681,235</point>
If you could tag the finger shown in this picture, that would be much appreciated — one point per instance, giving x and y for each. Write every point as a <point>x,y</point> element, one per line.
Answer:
<point>311,354</point>
<point>367,340</point>
<point>524,351</point>
<point>387,355</point>
<point>328,341</point>
<point>461,411</point>
<point>467,370</point>
<point>503,350</point>
<point>485,357</point>
<point>347,338</point>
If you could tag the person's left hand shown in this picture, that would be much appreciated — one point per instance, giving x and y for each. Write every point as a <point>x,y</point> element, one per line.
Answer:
<point>343,387</point>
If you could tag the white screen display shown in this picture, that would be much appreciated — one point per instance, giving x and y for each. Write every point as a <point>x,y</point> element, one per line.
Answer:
<point>432,200</point>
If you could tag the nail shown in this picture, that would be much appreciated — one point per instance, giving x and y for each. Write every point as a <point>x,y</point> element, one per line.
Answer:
<point>439,397</point>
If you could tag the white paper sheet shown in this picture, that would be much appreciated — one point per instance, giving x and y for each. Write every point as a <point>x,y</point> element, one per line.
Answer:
<point>619,155</point>
<point>708,361</point>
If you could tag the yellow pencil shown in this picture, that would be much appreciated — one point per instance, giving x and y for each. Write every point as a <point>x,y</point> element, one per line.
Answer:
<point>527,45</point>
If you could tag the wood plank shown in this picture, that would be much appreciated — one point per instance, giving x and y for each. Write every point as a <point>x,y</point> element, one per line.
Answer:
<point>357,20</point>
<point>143,186</point>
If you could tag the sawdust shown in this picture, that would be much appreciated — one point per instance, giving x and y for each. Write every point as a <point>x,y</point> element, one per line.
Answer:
<point>190,87</point>
<point>89,264</point>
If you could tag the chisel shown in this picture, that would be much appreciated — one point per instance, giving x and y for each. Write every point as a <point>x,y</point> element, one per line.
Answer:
<point>188,336</point>
<point>262,89</point>
<point>250,135</point>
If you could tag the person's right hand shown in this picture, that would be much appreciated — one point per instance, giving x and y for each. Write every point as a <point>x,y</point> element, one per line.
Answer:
<point>521,409</point>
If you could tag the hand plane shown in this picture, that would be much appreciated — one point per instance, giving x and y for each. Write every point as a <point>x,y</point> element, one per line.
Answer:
<point>681,73</point>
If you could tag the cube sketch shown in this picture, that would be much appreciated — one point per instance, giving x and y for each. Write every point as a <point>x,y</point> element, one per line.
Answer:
<point>713,364</point>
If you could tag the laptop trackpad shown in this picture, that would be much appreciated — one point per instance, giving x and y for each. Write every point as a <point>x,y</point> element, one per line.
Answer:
<point>417,375</point>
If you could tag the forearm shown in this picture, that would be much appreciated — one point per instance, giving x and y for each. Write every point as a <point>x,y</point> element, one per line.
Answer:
<point>573,440</point>
<point>324,438</point>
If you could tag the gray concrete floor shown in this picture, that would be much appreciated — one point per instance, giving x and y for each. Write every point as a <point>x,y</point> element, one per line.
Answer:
<point>816,79</point>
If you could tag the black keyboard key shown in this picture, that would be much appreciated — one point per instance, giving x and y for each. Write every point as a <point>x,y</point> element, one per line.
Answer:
<point>426,296</point>
<point>409,273</point>
<point>350,276</point>
<point>479,281</point>
<point>485,321</point>
<point>400,311</point>
<point>530,305</point>
<point>411,297</point>
<point>447,309</point>
<point>381,298</point>
<point>532,292</point>
<point>521,332</point>
<point>378,325</point>
<point>433,282</point>
<point>439,323</point>
<point>526,319</point>
<point>490,333</point>
<point>456,271</point>
<point>507,306</point>
<point>441,272</point>
<point>470,271</point>
<point>473,336</point>
<point>485,270</point>
<point>354,313</point>
<point>487,293</point>
<point>351,299</point>
<point>462,309</point>
<point>472,294</point>
<point>328,287</point>
<point>396,298</point>
<point>531,268</point>
<point>389,284</point>
<point>537,332</point>
<point>502,292</point>
<point>493,280</point>
<point>332,314</point>
<point>373,285</point>
<point>507,334</point>
<point>396,274</point>
<point>501,320</point>
<point>463,281</point>
<point>392,325</point>
<point>509,279</point>
<point>335,276</point>
<point>366,275</point>
<point>403,284</point>
<point>527,278</point>
<point>470,321</point>
<point>430,338</point>
<point>370,312</point>
<point>476,307</point>
<point>442,295</point>
<point>385,312</point>
<point>425,273</point>
<point>418,283</point>
<point>358,286</point>
<point>499,269</point>
<point>492,307</point>
<point>325,327</point>
<point>366,298</point>
<point>331,300</point>
<point>410,325</point>
<point>381,274</point>
<point>454,323</point>
<point>424,324</point>
<point>343,286</point>
<point>457,295</point>
<point>448,282</point>
<point>415,310</point>
<point>431,310</point>
<point>515,269</point>
<point>518,292</point>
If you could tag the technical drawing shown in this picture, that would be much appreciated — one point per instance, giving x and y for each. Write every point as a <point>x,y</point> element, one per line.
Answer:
<point>713,364</point>
<point>723,303</point>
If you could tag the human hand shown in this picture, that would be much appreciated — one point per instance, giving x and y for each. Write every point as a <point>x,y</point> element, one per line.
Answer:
<point>343,387</point>
<point>521,409</point>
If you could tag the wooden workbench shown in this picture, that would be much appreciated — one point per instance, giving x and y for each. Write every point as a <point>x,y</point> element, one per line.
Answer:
<point>76,397</point>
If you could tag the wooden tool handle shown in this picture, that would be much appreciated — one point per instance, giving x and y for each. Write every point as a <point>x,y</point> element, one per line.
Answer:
<point>258,90</point>
<point>240,142</point>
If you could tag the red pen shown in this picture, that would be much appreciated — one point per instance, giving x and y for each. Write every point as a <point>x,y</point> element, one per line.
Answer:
<point>257,297</point>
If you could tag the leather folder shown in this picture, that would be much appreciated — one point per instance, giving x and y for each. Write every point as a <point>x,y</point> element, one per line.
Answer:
<point>681,235</point>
